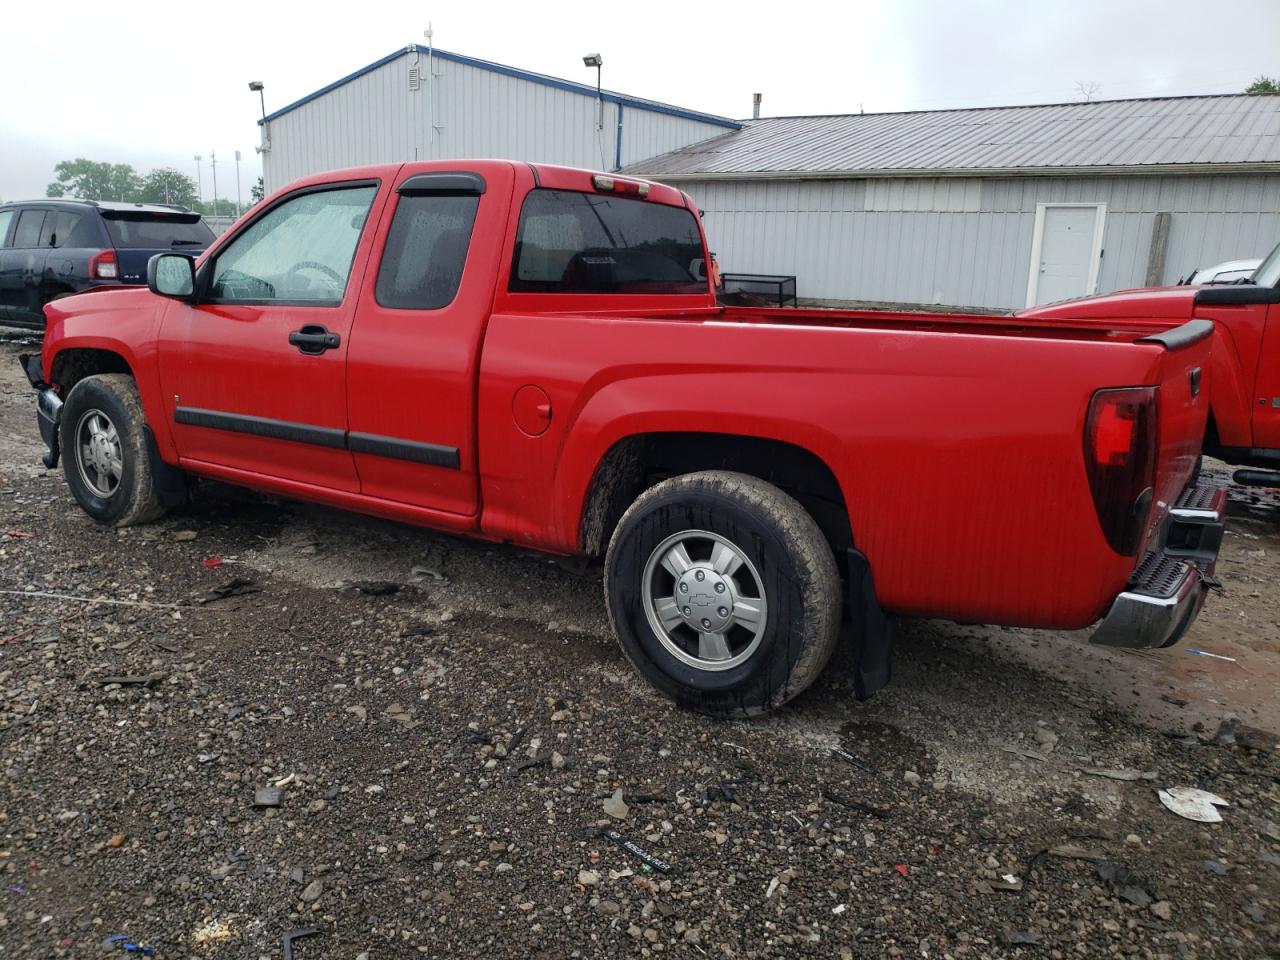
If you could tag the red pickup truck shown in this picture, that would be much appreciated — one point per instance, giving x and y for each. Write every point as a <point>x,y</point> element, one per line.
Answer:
<point>1244,396</point>
<point>535,355</point>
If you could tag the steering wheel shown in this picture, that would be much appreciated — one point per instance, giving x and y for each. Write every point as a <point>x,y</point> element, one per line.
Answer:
<point>312,265</point>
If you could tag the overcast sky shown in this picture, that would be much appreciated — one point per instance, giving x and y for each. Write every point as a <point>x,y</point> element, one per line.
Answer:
<point>153,84</point>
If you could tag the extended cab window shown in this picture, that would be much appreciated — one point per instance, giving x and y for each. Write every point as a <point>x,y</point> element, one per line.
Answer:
<point>570,242</point>
<point>426,251</point>
<point>299,251</point>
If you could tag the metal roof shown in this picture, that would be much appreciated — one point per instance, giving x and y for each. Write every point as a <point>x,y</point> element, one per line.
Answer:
<point>608,96</point>
<point>1171,134</point>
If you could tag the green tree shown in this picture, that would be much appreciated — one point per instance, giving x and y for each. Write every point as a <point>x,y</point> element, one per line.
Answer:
<point>256,192</point>
<point>93,180</point>
<point>1265,85</point>
<point>166,185</point>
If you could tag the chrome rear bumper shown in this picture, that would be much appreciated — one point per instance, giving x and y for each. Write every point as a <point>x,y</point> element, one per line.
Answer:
<point>1168,587</point>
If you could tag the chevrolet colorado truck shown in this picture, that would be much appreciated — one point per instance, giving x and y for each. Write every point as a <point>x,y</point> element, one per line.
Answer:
<point>1244,394</point>
<point>534,355</point>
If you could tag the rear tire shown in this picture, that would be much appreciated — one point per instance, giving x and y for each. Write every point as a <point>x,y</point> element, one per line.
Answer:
<point>723,592</point>
<point>106,462</point>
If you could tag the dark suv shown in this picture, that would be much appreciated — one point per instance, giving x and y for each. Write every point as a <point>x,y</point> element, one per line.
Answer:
<point>51,248</point>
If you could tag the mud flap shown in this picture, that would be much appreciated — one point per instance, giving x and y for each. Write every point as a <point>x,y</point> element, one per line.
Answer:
<point>873,630</point>
<point>171,483</point>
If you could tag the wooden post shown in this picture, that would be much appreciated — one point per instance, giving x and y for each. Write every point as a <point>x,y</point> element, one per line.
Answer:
<point>1159,247</point>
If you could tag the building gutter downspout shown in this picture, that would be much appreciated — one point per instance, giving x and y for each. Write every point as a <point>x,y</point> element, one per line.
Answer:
<point>617,146</point>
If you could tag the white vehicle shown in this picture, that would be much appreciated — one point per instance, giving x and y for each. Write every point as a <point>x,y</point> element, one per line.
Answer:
<point>1230,271</point>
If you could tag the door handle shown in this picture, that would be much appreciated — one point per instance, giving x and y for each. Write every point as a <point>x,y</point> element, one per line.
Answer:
<point>314,339</point>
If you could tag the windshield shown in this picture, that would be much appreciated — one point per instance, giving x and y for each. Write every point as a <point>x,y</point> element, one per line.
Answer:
<point>1268,272</point>
<point>158,232</point>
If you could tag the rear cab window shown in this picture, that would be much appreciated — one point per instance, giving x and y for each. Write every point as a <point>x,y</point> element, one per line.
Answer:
<point>129,230</point>
<point>6,221</point>
<point>574,242</point>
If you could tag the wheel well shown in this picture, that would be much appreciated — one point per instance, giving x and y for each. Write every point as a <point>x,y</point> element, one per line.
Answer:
<point>635,464</point>
<point>72,366</point>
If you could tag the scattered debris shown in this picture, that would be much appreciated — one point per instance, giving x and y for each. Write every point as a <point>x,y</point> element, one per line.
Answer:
<point>434,574</point>
<point>121,941</point>
<point>1270,830</point>
<point>1120,773</point>
<point>1191,803</point>
<point>911,778</point>
<point>1070,851</point>
<point>648,859</point>
<point>1020,937</point>
<point>902,869</point>
<point>419,629</point>
<point>213,933</point>
<point>1162,909</point>
<point>130,681</point>
<point>1233,732</point>
<point>238,587</point>
<point>854,804</point>
<point>1195,652</point>
<point>20,534</point>
<point>185,536</point>
<point>212,563</point>
<point>46,595</point>
<point>615,806</point>
<point>588,878</point>
<point>267,797</point>
<point>311,892</point>
<point>1023,752</point>
<point>298,934</point>
<point>1008,883</point>
<point>1176,701</point>
<point>847,757</point>
<point>377,588</point>
<point>1124,883</point>
<point>1216,866</point>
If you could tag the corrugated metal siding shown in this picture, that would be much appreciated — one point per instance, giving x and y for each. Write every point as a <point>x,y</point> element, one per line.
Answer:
<point>1178,130</point>
<point>967,242</point>
<point>462,111</point>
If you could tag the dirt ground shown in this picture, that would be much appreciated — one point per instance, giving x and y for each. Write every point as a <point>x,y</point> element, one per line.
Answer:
<point>412,744</point>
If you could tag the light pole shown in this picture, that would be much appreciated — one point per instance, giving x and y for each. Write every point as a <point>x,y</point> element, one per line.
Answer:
<point>257,87</point>
<point>595,60</point>
<point>237,184</point>
<point>199,180</point>
<point>213,162</point>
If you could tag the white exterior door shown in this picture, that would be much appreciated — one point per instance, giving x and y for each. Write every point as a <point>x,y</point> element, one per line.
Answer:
<point>1065,252</point>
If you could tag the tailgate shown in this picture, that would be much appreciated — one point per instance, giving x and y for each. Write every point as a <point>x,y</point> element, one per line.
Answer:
<point>1184,408</point>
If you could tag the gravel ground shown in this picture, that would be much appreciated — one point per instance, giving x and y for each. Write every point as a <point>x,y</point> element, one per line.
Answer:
<point>414,744</point>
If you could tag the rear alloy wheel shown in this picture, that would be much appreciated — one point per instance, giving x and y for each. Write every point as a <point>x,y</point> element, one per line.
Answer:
<point>723,592</point>
<point>106,462</point>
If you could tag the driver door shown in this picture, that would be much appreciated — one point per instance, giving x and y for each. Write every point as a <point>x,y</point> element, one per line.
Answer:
<point>254,371</point>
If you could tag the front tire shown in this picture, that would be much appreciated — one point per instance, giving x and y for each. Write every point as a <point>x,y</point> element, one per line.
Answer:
<point>723,592</point>
<point>106,462</point>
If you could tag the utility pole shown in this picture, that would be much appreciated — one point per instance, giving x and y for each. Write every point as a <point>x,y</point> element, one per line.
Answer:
<point>213,162</point>
<point>237,184</point>
<point>199,180</point>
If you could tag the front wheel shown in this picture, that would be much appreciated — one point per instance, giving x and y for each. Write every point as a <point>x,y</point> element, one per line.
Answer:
<point>723,592</point>
<point>106,463</point>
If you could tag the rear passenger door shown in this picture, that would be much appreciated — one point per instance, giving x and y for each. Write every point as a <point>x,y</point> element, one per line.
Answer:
<point>415,346</point>
<point>7,217</point>
<point>22,266</point>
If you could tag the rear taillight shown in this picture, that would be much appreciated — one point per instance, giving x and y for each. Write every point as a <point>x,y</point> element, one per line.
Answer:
<point>103,266</point>
<point>635,188</point>
<point>1120,447</point>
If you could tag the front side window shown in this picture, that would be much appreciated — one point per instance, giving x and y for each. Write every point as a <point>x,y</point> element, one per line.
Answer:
<point>570,242</point>
<point>6,218</point>
<point>299,251</point>
<point>426,251</point>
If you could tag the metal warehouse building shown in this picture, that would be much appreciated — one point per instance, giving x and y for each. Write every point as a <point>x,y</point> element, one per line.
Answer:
<point>425,104</point>
<point>994,207</point>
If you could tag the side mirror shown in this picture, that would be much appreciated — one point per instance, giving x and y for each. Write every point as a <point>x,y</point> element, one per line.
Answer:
<point>171,275</point>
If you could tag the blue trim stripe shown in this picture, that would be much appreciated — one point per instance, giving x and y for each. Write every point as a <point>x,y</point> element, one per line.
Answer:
<point>554,82</point>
